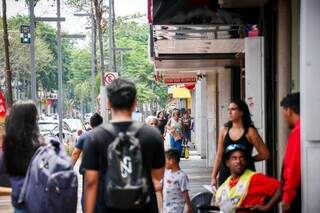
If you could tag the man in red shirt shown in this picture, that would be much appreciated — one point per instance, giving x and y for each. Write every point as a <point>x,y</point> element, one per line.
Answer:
<point>245,188</point>
<point>291,171</point>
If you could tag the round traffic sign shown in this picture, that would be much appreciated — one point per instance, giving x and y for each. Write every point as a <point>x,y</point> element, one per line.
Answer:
<point>109,77</point>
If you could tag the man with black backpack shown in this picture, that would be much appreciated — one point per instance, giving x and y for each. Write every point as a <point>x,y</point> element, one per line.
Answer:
<point>123,158</point>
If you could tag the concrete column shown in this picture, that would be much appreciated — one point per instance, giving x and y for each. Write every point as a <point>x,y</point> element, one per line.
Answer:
<point>310,104</point>
<point>211,118</point>
<point>201,117</point>
<point>295,45</point>
<point>283,68</point>
<point>255,89</point>
<point>224,95</point>
<point>193,113</point>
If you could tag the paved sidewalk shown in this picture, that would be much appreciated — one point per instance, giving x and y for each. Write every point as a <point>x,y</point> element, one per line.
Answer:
<point>198,174</point>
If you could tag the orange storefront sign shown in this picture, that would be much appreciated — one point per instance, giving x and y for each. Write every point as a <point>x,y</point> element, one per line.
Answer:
<point>180,80</point>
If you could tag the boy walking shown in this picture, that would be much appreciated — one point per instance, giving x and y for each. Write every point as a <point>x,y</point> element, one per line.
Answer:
<point>175,185</point>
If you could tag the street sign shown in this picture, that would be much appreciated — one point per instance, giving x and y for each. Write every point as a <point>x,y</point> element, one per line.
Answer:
<point>109,77</point>
<point>25,34</point>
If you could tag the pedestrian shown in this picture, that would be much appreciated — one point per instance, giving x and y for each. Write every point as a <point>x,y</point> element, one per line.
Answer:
<point>175,129</point>
<point>97,151</point>
<point>162,122</point>
<point>152,121</point>
<point>238,130</point>
<point>4,190</point>
<point>291,171</point>
<point>186,120</point>
<point>175,185</point>
<point>245,188</point>
<point>95,121</point>
<point>21,140</point>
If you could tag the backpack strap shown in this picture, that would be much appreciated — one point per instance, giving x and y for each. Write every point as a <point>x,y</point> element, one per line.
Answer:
<point>22,194</point>
<point>132,129</point>
<point>109,127</point>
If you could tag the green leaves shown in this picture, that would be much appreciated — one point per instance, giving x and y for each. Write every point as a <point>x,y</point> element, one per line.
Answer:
<point>136,65</point>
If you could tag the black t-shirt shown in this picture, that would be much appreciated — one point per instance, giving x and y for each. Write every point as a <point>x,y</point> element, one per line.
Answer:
<point>162,124</point>
<point>95,158</point>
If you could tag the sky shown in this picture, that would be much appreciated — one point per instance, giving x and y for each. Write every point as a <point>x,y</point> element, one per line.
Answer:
<point>47,8</point>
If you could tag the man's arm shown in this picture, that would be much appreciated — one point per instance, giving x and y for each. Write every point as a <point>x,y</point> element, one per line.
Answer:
<point>272,202</point>
<point>188,201</point>
<point>157,174</point>
<point>75,155</point>
<point>5,191</point>
<point>291,170</point>
<point>91,182</point>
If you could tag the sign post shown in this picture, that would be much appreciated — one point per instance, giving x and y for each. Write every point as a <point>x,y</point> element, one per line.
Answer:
<point>107,79</point>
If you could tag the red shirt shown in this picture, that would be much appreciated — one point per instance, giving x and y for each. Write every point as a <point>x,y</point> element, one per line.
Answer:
<point>261,187</point>
<point>291,174</point>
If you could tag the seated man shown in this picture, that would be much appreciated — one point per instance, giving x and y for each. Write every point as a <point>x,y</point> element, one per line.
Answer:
<point>245,188</point>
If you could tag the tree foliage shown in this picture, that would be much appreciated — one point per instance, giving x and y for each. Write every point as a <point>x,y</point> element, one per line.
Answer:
<point>131,34</point>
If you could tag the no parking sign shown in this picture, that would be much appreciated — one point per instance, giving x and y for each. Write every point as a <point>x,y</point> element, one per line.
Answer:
<point>109,77</point>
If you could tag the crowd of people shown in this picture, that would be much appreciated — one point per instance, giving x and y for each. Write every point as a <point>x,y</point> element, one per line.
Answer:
<point>127,166</point>
<point>175,129</point>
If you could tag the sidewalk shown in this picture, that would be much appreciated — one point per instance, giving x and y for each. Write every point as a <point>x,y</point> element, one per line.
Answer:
<point>198,174</point>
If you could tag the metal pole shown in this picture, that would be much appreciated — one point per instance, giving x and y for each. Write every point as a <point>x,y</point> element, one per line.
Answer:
<point>93,63</point>
<point>60,94</point>
<point>111,38</point>
<point>32,52</point>
<point>121,63</point>
<point>103,94</point>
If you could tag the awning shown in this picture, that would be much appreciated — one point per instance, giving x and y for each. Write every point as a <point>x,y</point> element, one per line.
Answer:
<point>181,93</point>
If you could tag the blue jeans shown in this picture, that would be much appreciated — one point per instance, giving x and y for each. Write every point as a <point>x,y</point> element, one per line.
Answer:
<point>176,144</point>
<point>19,210</point>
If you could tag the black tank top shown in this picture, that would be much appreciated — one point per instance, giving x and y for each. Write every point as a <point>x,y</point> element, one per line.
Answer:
<point>224,170</point>
<point>242,140</point>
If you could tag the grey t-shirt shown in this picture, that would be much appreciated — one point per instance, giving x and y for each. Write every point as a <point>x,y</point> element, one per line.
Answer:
<point>174,183</point>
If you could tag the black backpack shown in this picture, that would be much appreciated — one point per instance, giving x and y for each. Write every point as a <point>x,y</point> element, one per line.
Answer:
<point>126,185</point>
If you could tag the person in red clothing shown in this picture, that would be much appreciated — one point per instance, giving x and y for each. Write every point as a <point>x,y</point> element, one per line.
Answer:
<point>245,188</point>
<point>291,170</point>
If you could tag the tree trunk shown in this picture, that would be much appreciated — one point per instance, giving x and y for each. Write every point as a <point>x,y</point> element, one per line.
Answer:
<point>6,52</point>
<point>95,44</point>
<point>98,13</point>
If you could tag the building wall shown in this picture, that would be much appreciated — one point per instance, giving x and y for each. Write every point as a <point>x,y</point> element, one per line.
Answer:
<point>295,45</point>
<point>218,99</point>
<point>211,120</point>
<point>201,117</point>
<point>255,86</point>
<point>283,74</point>
<point>310,104</point>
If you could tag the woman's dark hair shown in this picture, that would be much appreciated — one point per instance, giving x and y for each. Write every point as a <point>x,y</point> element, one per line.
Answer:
<point>158,114</point>
<point>246,117</point>
<point>21,137</point>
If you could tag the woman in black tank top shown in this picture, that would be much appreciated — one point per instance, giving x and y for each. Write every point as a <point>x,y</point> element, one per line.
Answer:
<point>238,130</point>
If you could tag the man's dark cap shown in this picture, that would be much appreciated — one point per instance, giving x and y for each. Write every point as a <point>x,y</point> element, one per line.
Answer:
<point>232,148</point>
